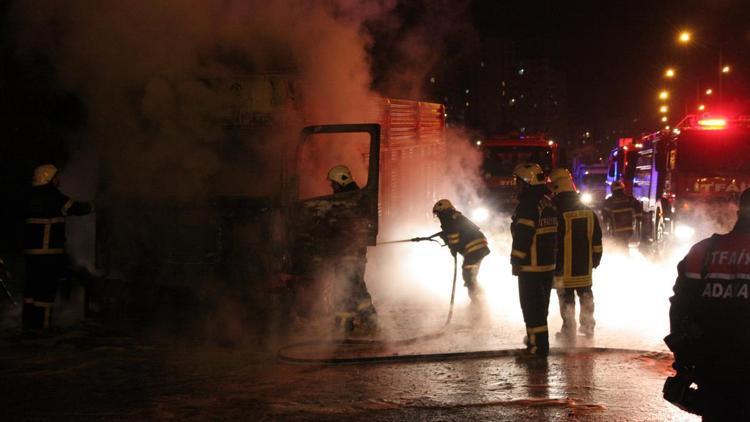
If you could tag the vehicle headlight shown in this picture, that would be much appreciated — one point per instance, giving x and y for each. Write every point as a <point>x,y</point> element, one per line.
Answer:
<point>480,214</point>
<point>683,232</point>
<point>586,198</point>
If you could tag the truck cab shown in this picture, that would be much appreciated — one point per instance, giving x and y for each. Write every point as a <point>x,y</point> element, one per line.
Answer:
<point>591,181</point>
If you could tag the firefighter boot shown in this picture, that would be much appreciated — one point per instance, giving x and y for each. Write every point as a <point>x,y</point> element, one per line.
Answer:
<point>344,323</point>
<point>365,320</point>
<point>537,342</point>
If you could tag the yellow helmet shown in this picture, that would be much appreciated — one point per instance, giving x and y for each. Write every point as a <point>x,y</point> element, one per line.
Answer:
<point>43,175</point>
<point>561,181</point>
<point>559,173</point>
<point>618,185</point>
<point>441,206</point>
<point>341,175</point>
<point>530,173</point>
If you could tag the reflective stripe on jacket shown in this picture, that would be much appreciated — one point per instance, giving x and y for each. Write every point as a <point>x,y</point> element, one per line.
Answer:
<point>534,231</point>
<point>621,211</point>
<point>579,242</point>
<point>44,231</point>
<point>461,235</point>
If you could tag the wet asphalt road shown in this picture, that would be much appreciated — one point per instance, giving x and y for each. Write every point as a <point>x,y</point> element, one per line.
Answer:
<point>89,374</point>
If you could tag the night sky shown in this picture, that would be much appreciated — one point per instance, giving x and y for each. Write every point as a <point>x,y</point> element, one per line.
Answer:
<point>613,53</point>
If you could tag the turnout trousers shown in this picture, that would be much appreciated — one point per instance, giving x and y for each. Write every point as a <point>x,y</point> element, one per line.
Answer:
<point>534,291</point>
<point>43,274</point>
<point>567,299</point>
<point>470,270</point>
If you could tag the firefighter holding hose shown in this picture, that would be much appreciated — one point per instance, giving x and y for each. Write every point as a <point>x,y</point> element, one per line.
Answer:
<point>534,231</point>
<point>709,316</point>
<point>463,237</point>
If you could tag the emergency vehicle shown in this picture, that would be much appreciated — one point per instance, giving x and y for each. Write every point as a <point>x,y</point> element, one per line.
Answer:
<point>687,176</point>
<point>621,164</point>
<point>500,155</point>
<point>591,181</point>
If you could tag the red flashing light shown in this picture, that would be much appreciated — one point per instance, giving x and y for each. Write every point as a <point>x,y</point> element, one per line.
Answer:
<point>712,124</point>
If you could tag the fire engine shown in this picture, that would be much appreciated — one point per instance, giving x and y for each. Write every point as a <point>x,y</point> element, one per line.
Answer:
<point>686,176</point>
<point>500,157</point>
<point>621,164</point>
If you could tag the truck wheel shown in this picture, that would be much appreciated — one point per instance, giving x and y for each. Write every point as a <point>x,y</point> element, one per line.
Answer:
<point>659,239</point>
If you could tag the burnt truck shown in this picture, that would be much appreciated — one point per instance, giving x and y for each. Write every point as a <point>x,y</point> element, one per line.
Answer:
<point>169,257</point>
<point>689,178</point>
<point>500,155</point>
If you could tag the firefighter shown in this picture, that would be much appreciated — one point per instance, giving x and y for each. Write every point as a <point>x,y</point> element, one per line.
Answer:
<point>463,237</point>
<point>534,231</point>
<point>622,214</point>
<point>44,244</point>
<point>355,312</point>
<point>709,316</point>
<point>579,250</point>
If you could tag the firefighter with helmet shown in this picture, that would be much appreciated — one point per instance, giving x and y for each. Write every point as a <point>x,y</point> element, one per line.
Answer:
<point>622,215</point>
<point>463,237</point>
<point>709,316</point>
<point>534,231</point>
<point>341,179</point>
<point>353,307</point>
<point>44,244</point>
<point>579,251</point>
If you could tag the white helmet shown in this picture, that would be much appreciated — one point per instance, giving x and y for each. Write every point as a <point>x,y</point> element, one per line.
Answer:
<point>441,206</point>
<point>530,173</point>
<point>341,175</point>
<point>43,175</point>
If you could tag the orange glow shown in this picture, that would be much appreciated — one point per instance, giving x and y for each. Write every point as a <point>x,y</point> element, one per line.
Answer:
<point>669,73</point>
<point>709,91</point>
<point>663,95</point>
<point>725,69</point>
<point>685,37</point>
<point>701,107</point>
<point>663,109</point>
<point>713,123</point>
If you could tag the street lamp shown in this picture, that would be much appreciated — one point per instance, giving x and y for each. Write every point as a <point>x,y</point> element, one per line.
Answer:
<point>725,69</point>
<point>663,95</point>
<point>709,91</point>
<point>669,73</point>
<point>663,109</point>
<point>664,119</point>
<point>684,37</point>
<point>701,107</point>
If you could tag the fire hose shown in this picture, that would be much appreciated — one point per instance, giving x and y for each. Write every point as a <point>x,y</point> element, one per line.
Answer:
<point>285,357</point>
<point>284,354</point>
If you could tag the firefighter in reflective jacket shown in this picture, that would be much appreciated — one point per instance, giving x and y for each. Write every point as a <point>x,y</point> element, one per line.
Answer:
<point>709,319</point>
<point>622,214</point>
<point>355,312</point>
<point>534,231</point>
<point>579,250</point>
<point>465,238</point>
<point>44,244</point>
